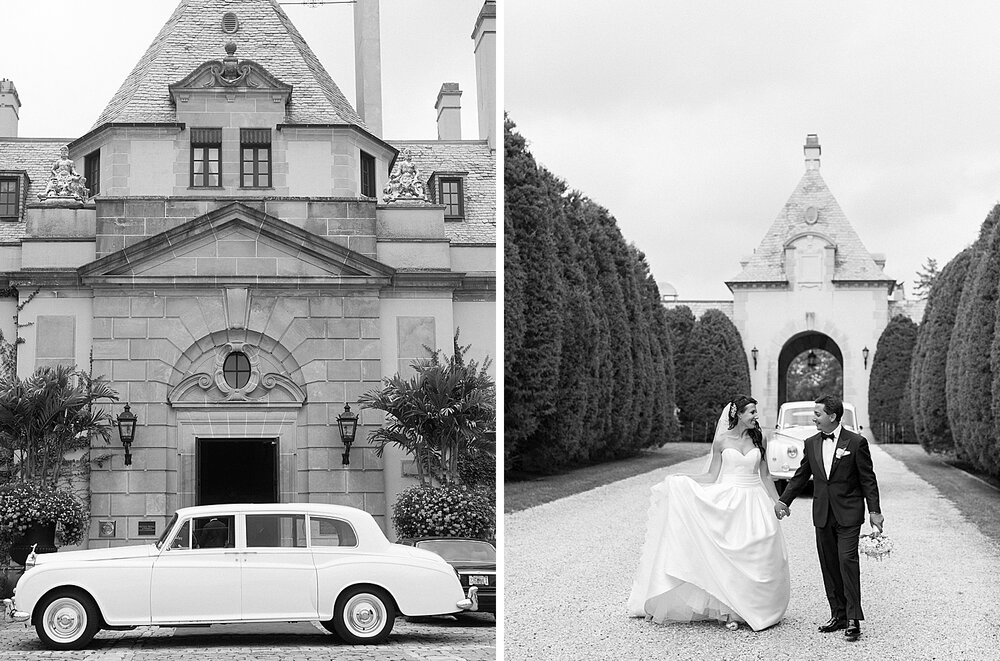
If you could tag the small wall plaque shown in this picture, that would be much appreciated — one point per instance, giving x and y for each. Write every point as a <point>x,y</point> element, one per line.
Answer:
<point>147,528</point>
<point>106,529</point>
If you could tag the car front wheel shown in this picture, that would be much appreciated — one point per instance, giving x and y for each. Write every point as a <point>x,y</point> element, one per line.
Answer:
<point>363,616</point>
<point>67,620</point>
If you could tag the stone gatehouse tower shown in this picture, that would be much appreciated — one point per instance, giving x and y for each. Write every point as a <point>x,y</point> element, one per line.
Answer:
<point>251,256</point>
<point>810,284</point>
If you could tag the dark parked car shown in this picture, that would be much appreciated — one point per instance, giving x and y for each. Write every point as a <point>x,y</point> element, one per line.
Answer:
<point>475,560</point>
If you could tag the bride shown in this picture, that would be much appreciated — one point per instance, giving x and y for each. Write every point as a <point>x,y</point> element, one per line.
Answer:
<point>714,549</point>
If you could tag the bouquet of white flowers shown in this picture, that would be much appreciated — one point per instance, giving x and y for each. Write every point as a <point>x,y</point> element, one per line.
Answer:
<point>876,545</point>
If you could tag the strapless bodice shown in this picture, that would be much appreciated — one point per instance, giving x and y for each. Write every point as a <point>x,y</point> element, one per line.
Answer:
<point>738,468</point>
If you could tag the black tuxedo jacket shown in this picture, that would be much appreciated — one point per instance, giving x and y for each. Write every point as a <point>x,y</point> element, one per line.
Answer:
<point>850,484</point>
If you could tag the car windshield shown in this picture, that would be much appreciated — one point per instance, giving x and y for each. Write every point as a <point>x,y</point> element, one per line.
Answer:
<point>797,418</point>
<point>848,419</point>
<point>460,550</point>
<point>166,530</point>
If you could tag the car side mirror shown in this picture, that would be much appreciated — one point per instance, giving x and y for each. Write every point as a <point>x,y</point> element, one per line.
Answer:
<point>777,426</point>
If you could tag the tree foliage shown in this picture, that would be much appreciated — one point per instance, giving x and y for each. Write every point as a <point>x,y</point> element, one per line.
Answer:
<point>925,278</point>
<point>46,416</point>
<point>890,374</point>
<point>717,370</point>
<point>927,386</point>
<point>591,377</point>
<point>443,415</point>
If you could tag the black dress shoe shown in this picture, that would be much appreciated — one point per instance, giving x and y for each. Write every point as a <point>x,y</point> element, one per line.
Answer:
<point>833,625</point>
<point>853,632</point>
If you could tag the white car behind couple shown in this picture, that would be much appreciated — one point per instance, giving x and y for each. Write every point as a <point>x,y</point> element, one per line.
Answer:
<point>795,425</point>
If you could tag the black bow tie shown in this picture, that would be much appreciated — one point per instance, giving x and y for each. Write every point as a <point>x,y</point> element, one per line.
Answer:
<point>826,436</point>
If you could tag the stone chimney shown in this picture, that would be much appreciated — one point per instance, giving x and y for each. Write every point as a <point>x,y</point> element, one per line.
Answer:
<point>368,64</point>
<point>449,109</point>
<point>10,109</point>
<point>485,39</point>
<point>812,151</point>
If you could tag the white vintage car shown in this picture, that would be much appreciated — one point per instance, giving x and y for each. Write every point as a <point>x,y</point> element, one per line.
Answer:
<point>241,563</point>
<point>795,425</point>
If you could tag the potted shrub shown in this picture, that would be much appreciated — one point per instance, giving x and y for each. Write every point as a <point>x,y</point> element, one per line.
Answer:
<point>445,418</point>
<point>36,514</point>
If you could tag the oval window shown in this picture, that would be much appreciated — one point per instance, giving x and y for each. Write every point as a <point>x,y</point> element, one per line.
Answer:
<point>236,370</point>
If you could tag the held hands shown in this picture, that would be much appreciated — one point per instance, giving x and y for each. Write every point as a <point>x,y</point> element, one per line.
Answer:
<point>781,510</point>
<point>876,519</point>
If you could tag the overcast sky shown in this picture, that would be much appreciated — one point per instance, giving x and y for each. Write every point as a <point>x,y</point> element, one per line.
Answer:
<point>687,119</point>
<point>67,58</point>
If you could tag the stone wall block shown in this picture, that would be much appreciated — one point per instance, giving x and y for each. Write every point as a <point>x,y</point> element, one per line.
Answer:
<point>108,481</point>
<point>128,504</point>
<point>145,208</point>
<point>326,306</point>
<point>147,481</point>
<point>111,306</point>
<point>361,306</point>
<point>328,392</point>
<point>344,328</point>
<point>110,349</point>
<point>362,349</point>
<point>130,328</point>
<point>343,370</point>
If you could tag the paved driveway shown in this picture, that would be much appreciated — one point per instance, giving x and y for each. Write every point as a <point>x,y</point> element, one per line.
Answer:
<point>470,637</point>
<point>569,566</point>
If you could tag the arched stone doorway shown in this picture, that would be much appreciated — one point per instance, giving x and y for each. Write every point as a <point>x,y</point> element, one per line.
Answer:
<point>802,343</point>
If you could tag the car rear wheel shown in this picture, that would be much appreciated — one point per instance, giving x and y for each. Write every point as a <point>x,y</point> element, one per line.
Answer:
<point>363,616</point>
<point>67,620</point>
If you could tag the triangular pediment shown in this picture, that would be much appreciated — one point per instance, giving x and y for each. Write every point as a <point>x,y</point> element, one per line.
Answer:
<point>238,244</point>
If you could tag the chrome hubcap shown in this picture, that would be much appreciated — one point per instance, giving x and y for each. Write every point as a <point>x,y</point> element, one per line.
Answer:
<point>365,614</point>
<point>65,619</point>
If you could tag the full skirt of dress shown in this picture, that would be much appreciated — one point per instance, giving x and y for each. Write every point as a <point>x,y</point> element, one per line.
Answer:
<point>712,552</point>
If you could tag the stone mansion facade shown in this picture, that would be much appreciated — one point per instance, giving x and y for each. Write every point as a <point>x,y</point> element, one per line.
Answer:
<point>242,254</point>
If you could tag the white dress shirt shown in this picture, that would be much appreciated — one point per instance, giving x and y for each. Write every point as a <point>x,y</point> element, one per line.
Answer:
<point>829,446</point>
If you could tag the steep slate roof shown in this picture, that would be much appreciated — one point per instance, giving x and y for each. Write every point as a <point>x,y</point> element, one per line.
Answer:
<point>474,157</point>
<point>853,261</point>
<point>34,156</point>
<point>193,35</point>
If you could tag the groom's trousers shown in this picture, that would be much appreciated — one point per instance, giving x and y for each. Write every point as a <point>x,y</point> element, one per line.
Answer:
<point>838,558</point>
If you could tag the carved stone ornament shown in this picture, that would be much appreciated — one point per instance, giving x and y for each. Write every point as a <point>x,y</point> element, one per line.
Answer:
<point>65,183</point>
<point>204,390</point>
<point>404,182</point>
<point>230,73</point>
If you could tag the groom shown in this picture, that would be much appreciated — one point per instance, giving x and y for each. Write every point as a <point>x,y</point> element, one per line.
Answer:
<point>843,481</point>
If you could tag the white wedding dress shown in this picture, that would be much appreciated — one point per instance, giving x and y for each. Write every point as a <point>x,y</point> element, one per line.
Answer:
<point>713,551</point>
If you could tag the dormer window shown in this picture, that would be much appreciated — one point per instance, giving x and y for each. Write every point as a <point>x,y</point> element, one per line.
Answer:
<point>206,158</point>
<point>92,171</point>
<point>255,160</point>
<point>450,195</point>
<point>10,193</point>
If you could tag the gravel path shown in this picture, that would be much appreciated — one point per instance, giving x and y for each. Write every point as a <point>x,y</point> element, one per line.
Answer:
<point>569,567</point>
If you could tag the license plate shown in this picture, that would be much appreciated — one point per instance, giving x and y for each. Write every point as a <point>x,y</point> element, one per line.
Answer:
<point>479,580</point>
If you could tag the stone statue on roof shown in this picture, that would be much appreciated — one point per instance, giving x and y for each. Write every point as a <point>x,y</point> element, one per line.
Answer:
<point>65,181</point>
<point>404,181</point>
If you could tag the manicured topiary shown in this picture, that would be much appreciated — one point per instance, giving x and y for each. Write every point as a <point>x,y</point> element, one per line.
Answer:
<point>423,511</point>
<point>962,344</point>
<point>890,373</point>
<point>717,371</point>
<point>928,399</point>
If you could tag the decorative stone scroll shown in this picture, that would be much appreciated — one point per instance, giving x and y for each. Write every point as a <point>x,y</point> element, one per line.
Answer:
<point>231,72</point>
<point>65,183</point>
<point>404,182</point>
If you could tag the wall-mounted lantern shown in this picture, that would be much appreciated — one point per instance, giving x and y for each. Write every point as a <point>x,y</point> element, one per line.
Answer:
<point>348,423</point>
<point>754,352</point>
<point>811,360</point>
<point>864,354</point>
<point>126,431</point>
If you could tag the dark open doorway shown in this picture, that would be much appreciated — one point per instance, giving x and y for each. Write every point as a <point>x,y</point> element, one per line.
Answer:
<point>237,470</point>
<point>823,370</point>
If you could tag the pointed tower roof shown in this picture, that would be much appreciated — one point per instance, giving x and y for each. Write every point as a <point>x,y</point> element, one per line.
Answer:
<point>811,209</point>
<point>195,34</point>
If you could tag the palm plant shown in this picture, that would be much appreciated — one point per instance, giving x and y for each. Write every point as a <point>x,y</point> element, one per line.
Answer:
<point>47,415</point>
<point>446,412</point>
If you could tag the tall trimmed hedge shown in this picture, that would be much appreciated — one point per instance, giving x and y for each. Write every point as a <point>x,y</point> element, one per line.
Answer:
<point>681,322</point>
<point>890,373</point>
<point>928,401</point>
<point>589,374</point>
<point>970,378</point>
<point>716,371</point>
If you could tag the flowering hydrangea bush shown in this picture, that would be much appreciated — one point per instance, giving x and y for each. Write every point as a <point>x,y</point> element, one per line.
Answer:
<point>25,504</point>
<point>423,511</point>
